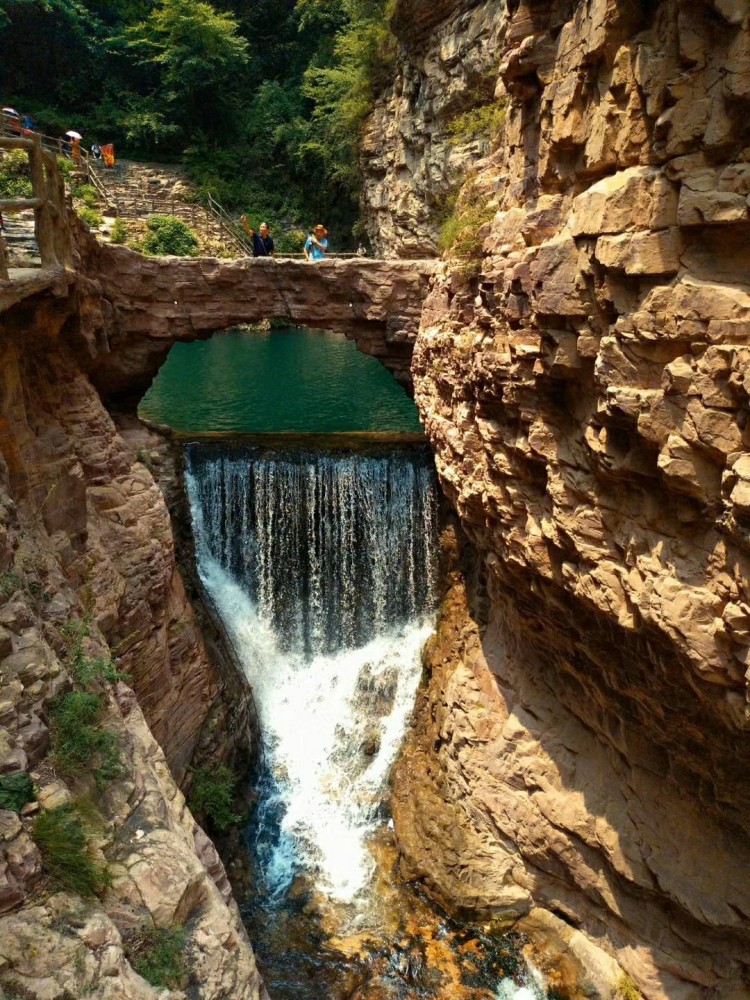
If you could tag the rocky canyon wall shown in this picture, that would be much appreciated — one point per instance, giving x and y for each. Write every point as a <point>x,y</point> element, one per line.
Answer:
<point>413,163</point>
<point>86,545</point>
<point>582,371</point>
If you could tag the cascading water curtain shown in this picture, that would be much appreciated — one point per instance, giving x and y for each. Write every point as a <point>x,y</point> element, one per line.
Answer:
<point>323,567</point>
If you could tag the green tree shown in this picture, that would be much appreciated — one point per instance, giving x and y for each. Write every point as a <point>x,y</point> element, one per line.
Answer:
<point>343,92</point>
<point>199,55</point>
<point>44,40</point>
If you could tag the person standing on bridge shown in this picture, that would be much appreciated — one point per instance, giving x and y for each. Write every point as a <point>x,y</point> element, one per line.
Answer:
<point>263,245</point>
<point>316,244</point>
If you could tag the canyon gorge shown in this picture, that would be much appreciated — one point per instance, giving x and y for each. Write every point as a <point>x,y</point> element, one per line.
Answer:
<point>577,764</point>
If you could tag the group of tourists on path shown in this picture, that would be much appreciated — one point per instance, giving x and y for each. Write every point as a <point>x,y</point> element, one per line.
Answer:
<point>316,244</point>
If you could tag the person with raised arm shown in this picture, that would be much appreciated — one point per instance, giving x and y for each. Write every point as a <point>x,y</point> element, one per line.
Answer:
<point>263,245</point>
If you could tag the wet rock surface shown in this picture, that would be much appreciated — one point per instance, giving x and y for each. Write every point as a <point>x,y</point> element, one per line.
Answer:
<point>395,944</point>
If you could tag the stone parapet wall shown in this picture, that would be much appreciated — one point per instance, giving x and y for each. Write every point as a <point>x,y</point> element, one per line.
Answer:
<point>138,307</point>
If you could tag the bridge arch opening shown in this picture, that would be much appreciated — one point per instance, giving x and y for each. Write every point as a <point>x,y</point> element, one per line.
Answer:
<point>277,379</point>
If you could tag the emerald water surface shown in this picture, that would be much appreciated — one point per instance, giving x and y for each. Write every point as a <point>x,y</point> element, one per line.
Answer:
<point>255,382</point>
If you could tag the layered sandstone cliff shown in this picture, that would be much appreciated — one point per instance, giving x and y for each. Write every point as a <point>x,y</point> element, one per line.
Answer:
<point>85,537</point>
<point>413,163</point>
<point>585,740</point>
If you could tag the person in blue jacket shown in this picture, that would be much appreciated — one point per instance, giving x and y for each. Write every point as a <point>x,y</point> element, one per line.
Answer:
<point>263,245</point>
<point>316,244</point>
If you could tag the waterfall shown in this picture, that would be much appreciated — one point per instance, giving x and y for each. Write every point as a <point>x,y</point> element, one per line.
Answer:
<point>323,568</point>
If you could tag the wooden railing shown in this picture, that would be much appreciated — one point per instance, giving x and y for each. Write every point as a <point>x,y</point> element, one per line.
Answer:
<point>139,206</point>
<point>60,147</point>
<point>47,202</point>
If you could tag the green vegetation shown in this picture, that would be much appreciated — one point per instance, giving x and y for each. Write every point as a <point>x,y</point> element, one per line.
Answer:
<point>481,122</point>
<point>60,836</point>
<point>15,176</point>
<point>342,93</point>
<point>65,166</point>
<point>78,739</point>
<point>86,670</point>
<point>264,99</point>
<point>15,791</point>
<point>119,231</point>
<point>90,216</point>
<point>167,235</point>
<point>626,989</point>
<point>462,234</point>
<point>10,582</point>
<point>88,194</point>
<point>159,957</point>
<point>211,796</point>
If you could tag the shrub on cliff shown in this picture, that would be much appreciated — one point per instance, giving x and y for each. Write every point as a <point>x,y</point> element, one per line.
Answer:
<point>78,739</point>
<point>60,836</point>
<point>211,796</point>
<point>158,956</point>
<point>483,122</point>
<point>462,234</point>
<point>166,235</point>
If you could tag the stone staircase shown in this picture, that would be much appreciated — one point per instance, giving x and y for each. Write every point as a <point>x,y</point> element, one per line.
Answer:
<point>138,190</point>
<point>132,192</point>
<point>20,240</point>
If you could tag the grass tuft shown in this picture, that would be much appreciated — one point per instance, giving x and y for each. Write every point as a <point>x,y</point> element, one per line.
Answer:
<point>78,738</point>
<point>159,958</point>
<point>60,837</point>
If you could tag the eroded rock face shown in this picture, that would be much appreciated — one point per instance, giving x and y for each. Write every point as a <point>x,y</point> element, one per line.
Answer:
<point>411,162</point>
<point>164,870</point>
<point>583,382</point>
<point>85,534</point>
<point>105,521</point>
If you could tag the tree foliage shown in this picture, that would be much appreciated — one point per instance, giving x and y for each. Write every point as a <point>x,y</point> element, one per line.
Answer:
<point>264,99</point>
<point>167,235</point>
<point>196,55</point>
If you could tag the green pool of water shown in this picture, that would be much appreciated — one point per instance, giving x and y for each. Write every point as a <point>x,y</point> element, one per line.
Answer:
<point>304,381</point>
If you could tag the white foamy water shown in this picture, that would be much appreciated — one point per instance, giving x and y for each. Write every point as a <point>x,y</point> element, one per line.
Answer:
<point>314,717</point>
<point>322,569</point>
<point>533,987</point>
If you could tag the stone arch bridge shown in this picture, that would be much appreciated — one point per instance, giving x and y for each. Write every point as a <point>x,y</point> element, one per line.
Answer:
<point>138,307</point>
